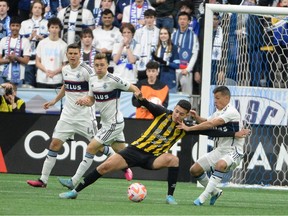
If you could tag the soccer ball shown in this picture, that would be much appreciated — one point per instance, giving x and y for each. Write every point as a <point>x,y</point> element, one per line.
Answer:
<point>137,192</point>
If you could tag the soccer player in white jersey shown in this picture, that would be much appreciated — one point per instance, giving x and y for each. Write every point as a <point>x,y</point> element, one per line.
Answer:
<point>228,151</point>
<point>74,118</point>
<point>105,89</point>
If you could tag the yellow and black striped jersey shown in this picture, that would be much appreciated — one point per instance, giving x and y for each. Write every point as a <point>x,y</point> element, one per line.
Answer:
<point>162,134</point>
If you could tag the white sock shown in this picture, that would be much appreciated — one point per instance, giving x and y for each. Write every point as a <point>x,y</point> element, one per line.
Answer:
<point>211,186</point>
<point>82,168</point>
<point>108,151</point>
<point>203,179</point>
<point>48,166</point>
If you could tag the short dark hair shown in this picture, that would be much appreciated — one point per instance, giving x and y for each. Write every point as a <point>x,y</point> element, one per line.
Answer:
<point>152,65</point>
<point>86,31</point>
<point>183,13</point>
<point>15,19</point>
<point>106,12</point>
<point>74,46</point>
<point>55,21</point>
<point>185,105</point>
<point>149,13</point>
<point>223,89</point>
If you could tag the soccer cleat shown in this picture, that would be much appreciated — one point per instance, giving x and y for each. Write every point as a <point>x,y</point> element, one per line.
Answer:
<point>66,183</point>
<point>171,200</point>
<point>37,183</point>
<point>197,202</point>
<point>215,197</point>
<point>128,174</point>
<point>69,195</point>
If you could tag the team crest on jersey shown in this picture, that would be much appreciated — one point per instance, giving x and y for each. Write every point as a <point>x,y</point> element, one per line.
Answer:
<point>78,75</point>
<point>105,86</point>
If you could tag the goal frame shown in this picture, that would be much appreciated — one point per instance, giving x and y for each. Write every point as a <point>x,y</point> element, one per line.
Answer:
<point>207,51</point>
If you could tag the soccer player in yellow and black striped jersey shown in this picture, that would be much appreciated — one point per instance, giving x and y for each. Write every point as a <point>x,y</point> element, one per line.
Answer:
<point>150,151</point>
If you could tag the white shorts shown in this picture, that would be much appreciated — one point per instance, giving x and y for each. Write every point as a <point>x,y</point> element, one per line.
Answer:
<point>66,130</point>
<point>111,133</point>
<point>230,156</point>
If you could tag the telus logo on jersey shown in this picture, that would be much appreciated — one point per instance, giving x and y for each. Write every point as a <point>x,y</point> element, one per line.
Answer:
<point>104,96</point>
<point>76,86</point>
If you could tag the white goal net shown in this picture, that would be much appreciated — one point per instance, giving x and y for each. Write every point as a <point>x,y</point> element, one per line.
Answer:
<point>248,52</point>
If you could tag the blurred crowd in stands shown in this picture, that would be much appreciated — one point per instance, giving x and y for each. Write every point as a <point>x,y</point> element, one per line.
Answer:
<point>34,36</point>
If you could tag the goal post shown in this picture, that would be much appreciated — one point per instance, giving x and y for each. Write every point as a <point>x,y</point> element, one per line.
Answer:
<point>259,87</point>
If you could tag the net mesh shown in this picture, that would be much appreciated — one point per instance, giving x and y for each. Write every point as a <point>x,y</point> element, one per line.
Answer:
<point>249,54</point>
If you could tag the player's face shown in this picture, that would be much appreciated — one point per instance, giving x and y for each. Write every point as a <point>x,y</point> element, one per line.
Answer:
<point>37,9</point>
<point>221,100</point>
<point>101,67</point>
<point>73,56</point>
<point>3,8</point>
<point>179,114</point>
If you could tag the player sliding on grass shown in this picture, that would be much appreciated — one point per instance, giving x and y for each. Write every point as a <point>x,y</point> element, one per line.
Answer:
<point>228,152</point>
<point>150,151</point>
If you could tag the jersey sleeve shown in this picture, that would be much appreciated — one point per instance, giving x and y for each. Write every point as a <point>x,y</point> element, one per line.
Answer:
<point>154,109</point>
<point>213,133</point>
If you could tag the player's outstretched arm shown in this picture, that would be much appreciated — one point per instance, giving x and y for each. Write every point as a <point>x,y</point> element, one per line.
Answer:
<point>60,95</point>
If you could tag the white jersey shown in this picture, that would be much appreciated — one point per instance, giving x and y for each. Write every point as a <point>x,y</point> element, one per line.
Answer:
<point>106,92</point>
<point>233,122</point>
<point>76,83</point>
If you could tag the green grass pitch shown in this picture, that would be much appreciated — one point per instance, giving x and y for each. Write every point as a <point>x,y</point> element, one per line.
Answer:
<point>109,197</point>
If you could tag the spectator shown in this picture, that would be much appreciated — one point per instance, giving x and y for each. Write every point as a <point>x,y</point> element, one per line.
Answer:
<point>153,90</point>
<point>9,102</point>
<point>14,54</point>
<point>4,19</point>
<point>165,12</point>
<point>24,9</point>
<point>106,36</point>
<point>120,5</point>
<point>125,53</point>
<point>97,7</point>
<point>217,47</point>
<point>279,75</point>
<point>35,29</point>
<point>88,52</point>
<point>74,19</point>
<point>50,57</point>
<point>188,47</point>
<point>52,7</point>
<point>147,36</point>
<point>167,55</point>
<point>188,7</point>
<point>134,13</point>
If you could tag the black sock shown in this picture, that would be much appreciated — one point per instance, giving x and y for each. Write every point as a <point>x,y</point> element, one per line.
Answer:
<point>89,179</point>
<point>172,179</point>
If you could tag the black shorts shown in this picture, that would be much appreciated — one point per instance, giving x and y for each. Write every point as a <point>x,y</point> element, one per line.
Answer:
<point>135,157</point>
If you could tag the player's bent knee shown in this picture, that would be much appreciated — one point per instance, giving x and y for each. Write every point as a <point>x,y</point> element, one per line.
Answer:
<point>221,165</point>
